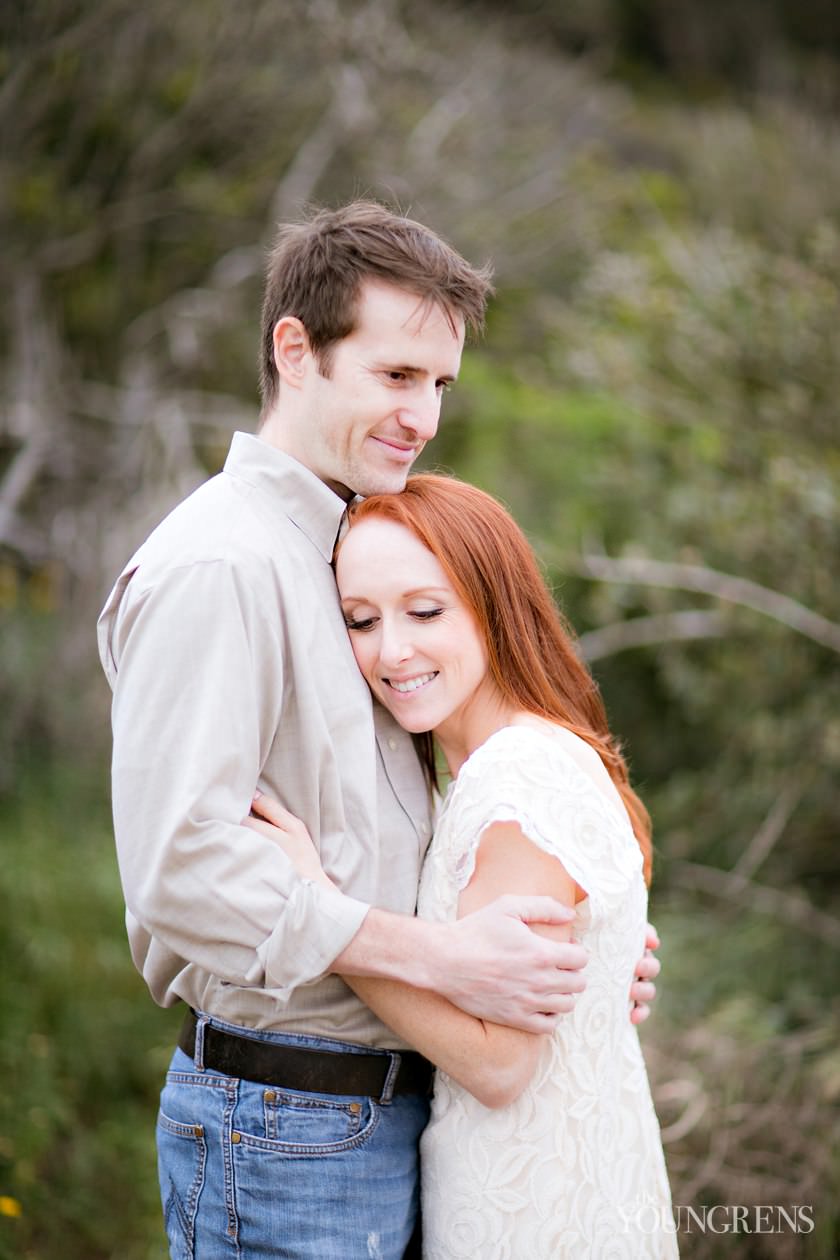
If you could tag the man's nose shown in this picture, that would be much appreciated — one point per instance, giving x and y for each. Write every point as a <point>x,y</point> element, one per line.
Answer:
<point>422,412</point>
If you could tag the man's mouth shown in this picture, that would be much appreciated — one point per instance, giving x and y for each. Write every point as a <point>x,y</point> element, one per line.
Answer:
<point>402,450</point>
<point>410,684</point>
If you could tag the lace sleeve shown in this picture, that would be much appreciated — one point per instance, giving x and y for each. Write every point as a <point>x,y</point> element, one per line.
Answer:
<point>522,775</point>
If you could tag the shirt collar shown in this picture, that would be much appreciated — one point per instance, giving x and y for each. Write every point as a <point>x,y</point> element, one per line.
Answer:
<point>287,487</point>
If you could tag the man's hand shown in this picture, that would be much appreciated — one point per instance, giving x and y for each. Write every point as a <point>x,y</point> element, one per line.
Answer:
<point>496,968</point>
<point>643,990</point>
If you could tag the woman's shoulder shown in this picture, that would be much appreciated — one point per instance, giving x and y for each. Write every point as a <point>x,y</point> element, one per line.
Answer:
<point>551,782</point>
<point>529,740</point>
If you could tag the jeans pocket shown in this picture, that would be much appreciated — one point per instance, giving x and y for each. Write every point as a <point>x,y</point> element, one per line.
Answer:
<point>182,1158</point>
<point>303,1124</point>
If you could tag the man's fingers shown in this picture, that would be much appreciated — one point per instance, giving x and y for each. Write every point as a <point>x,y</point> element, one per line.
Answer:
<point>648,968</point>
<point>642,991</point>
<point>651,937</point>
<point>537,909</point>
<point>571,957</point>
<point>557,1004</point>
<point>540,1022</point>
<point>553,1006</point>
<point>639,1013</point>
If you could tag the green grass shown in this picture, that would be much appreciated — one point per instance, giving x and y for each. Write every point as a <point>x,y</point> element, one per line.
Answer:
<point>82,1044</point>
<point>742,1053</point>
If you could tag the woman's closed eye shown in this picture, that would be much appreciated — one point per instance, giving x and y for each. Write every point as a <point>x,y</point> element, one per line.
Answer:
<point>360,623</point>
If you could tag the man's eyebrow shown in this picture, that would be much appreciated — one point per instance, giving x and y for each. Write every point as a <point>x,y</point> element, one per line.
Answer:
<point>412,370</point>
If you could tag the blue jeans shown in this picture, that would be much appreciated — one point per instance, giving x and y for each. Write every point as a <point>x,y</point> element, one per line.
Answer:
<point>250,1171</point>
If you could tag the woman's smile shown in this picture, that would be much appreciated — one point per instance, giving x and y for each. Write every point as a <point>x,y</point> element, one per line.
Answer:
<point>405,686</point>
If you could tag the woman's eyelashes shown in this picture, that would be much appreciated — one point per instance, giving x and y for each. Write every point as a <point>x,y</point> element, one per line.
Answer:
<point>360,624</point>
<point>426,614</point>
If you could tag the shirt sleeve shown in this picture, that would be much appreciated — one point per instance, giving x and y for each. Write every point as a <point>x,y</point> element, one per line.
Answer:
<point>197,675</point>
<point>530,779</point>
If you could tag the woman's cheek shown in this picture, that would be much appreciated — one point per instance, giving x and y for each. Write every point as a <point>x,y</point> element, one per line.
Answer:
<point>365,655</point>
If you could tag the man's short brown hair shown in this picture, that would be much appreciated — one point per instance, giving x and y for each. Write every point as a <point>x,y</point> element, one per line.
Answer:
<point>316,269</point>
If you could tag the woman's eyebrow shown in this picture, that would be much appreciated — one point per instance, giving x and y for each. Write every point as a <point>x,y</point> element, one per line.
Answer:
<point>420,590</point>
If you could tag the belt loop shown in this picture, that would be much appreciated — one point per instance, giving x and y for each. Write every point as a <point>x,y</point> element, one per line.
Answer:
<point>391,1079</point>
<point>198,1054</point>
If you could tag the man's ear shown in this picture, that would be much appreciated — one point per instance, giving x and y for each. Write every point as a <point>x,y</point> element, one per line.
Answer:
<point>291,350</point>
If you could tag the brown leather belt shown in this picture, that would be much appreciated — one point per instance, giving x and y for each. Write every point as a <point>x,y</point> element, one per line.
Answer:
<point>378,1074</point>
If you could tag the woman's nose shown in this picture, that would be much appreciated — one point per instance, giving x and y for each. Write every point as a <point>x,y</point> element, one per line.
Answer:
<point>394,646</point>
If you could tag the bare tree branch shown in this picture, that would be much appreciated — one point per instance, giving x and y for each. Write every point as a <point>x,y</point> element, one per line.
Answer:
<point>791,907</point>
<point>37,366</point>
<point>770,831</point>
<point>642,631</point>
<point>734,590</point>
<point>21,475</point>
<point>348,111</point>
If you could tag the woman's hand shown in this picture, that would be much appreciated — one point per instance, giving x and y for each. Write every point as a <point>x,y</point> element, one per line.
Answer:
<point>287,831</point>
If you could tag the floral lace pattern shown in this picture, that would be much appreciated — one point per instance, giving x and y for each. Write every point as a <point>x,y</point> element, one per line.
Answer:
<point>574,1167</point>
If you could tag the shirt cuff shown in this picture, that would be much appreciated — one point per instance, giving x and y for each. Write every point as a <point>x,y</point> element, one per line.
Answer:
<point>317,924</point>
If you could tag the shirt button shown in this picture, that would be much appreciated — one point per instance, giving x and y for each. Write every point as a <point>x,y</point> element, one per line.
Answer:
<point>392,743</point>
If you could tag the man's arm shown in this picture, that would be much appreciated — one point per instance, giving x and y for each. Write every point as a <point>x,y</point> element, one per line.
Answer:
<point>198,699</point>
<point>469,961</point>
<point>490,963</point>
<point>493,1062</point>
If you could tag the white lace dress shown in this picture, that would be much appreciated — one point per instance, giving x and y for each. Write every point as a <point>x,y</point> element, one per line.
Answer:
<point>573,1168</point>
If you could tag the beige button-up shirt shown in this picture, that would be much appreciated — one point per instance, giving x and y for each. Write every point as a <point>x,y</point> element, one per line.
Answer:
<point>225,647</point>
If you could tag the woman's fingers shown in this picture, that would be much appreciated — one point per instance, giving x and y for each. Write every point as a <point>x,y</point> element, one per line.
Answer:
<point>264,828</point>
<point>267,807</point>
<point>272,812</point>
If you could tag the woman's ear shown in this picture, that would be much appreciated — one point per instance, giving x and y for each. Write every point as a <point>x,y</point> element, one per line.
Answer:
<point>291,350</point>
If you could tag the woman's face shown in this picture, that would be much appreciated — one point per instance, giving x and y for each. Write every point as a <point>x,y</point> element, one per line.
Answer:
<point>415,641</point>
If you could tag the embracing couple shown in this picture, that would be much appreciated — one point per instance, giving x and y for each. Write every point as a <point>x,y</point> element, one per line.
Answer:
<point>300,654</point>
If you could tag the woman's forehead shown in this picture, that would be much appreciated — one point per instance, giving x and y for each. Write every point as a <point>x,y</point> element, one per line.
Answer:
<point>378,553</point>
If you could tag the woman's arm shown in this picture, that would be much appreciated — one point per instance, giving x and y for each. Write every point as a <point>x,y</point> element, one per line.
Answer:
<point>492,1061</point>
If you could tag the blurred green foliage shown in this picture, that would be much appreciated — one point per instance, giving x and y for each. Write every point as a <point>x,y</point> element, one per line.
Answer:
<point>657,392</point>
<point>82,1050</point>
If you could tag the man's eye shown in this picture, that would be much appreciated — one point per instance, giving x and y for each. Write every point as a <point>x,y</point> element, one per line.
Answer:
<point>444,387</point>
<point>364,623</point>
<point>397,377</point>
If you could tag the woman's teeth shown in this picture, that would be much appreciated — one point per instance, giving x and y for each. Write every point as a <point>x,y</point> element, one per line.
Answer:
<point>411,684</point>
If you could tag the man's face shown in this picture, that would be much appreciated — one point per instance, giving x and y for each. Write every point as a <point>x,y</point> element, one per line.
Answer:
<point>366,422</point>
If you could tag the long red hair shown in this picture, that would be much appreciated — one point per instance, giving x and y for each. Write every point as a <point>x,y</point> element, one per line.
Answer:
<point>530,645</point>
